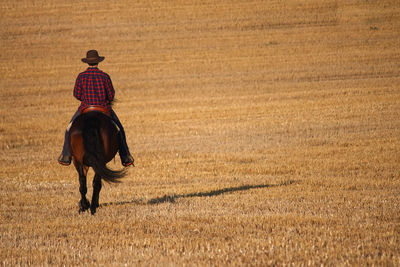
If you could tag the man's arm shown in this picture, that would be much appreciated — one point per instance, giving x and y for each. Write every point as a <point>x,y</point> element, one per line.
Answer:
<point>78,89</point>
<point>110,89</point>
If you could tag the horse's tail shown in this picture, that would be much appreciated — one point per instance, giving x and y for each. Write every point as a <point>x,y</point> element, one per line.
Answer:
<point>94,151</point>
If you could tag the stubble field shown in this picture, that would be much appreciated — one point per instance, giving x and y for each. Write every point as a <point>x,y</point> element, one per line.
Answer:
<point>264,132</point>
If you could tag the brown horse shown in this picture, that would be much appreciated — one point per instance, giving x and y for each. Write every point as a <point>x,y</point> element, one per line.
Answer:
<point>93,140</point>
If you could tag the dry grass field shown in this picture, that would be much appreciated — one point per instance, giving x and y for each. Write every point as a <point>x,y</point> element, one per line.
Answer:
<point>264,132</point>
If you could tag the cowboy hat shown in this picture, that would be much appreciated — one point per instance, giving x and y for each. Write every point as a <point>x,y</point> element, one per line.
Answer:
<point>92,56</point>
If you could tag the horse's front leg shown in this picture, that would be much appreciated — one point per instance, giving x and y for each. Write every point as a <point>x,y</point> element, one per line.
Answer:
<point>96,193</point>
<point>84,204</point>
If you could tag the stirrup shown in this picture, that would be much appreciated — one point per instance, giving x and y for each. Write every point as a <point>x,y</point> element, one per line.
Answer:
<point>127,161</point>
<point>64,160</point>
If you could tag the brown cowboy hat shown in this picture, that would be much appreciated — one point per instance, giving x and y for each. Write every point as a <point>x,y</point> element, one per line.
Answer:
<point>92,56</point>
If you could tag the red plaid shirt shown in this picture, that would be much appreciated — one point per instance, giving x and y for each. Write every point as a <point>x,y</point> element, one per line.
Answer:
<point>94,87</point>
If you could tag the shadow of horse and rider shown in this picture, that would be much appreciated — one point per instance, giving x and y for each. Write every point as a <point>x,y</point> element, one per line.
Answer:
<point>212,193</point>
<point>93,141</point>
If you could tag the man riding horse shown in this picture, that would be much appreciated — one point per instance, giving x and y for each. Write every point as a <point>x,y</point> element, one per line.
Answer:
<point>93,87</point>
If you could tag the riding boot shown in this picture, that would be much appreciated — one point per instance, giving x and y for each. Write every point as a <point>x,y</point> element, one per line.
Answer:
<point>65,157</point>
<point>125,155</point>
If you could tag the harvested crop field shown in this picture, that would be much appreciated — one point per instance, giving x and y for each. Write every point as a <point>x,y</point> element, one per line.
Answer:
<point>264,133</point>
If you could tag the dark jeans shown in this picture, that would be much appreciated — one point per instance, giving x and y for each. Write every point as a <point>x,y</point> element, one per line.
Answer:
<point>123,146</point>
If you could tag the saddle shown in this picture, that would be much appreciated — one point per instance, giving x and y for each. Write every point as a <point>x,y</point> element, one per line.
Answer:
<point>101,109</point>
<point>96,108</point>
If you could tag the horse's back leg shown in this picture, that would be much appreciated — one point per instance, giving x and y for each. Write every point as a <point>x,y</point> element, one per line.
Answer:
<point>96,193</point>
<point>84,204</point>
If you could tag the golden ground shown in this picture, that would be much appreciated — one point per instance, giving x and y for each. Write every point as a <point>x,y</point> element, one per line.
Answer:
<point>264,132</point>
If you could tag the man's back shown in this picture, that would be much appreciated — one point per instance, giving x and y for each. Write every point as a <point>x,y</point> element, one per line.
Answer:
<point>94,87</point>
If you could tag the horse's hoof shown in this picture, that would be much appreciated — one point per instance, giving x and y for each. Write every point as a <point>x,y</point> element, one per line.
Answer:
<point>92,210</point>
<point>84,205</point>
<point>93,207</point>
